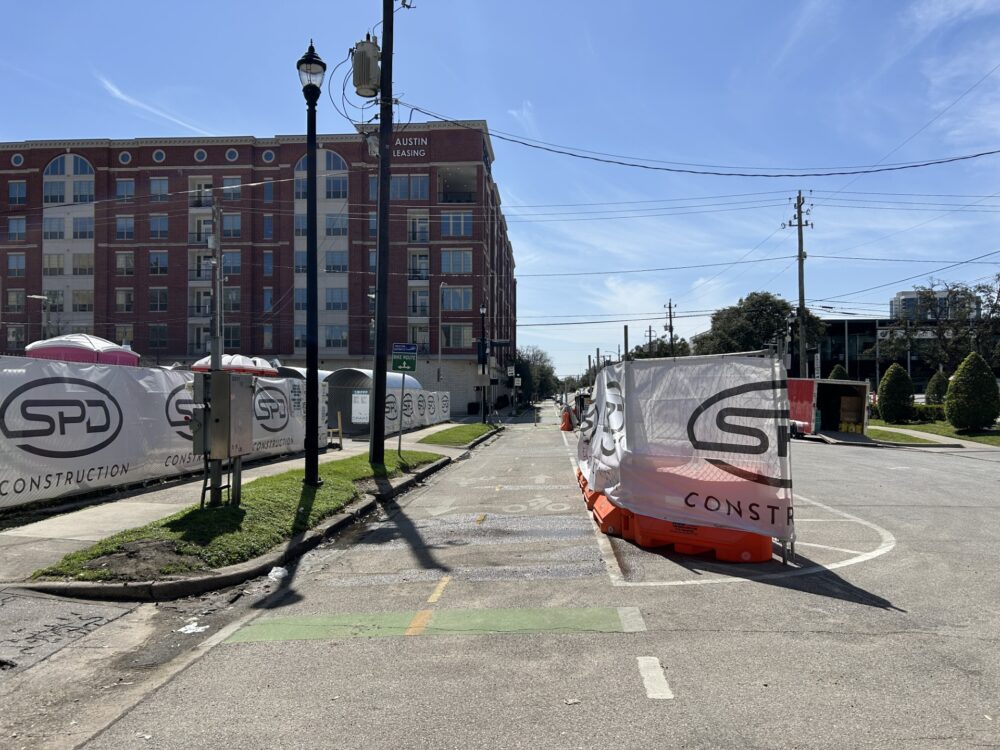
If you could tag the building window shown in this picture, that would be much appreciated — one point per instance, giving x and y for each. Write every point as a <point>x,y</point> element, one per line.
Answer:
<point>54,192</point>
<point>83,300</point>
<point>231,188</point>
<point>300,261</point>
<point>299,337</point>
<point>15,301</point>
<point>300,225</point>
<point>125,157</point>
<point>83,227</point>
<point>83,191</point>
<point>300,300</point>
<point>125,263</point>
<point>456,224</point>
<point>267,335</point>
<point>418,228</point>
<point>123,334</point>
<point>231,298</point>
<point>336,226</point>
<point>52,264</point>
<point>17,192</point>
<point>336,298</point>
<point>17,160</point>
<point>125,190</point>
<point>301,188</point>
<point>158,227</point>
<point>336,187</point>
<point>15,336</point>
<point>159,156</point>
<point>371,299</point>
<point>372,261</point>
<point>267,263</point>
<point>158,299</point>
<point>15,229</point>
<point>231,337</point>
<point>268,227</point>
<point>456,298</point>
<point>159,191</point>
<point>124,228</point>
<point>419,303</point>
<point>231,225</point>
<point>158,263</point>
<point>200,155</point>
<point>267,302</point>
<point>53,228</point>
<point>457,335</point>
<point>372,224</point>
<point>232,262</point>
<point>267,157</point>
<point>157,336</point>
<point>334,162</point>
<point>81,166</point>
<point>15,265</point>
<point>336,261</point>
<point>419,187</point>
<point>268,192</point>
<point>372,187</point>
<point>399,187</point>
<point>56,167</point>
<point>456,261</point>
<point>232,154</point>
<point>56,300</point>
<point>336,337</point>
<point>83,264</point>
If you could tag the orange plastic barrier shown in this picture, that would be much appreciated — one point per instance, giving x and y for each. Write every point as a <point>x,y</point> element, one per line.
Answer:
<point>728,545</point>
<point>590,497</point>
<point>609,517</point>
<point>567,423</point>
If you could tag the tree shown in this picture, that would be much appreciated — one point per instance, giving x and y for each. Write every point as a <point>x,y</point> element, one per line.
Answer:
<point>838,373</point>
<point>538,376</point>
<point>937,387</point>
<point>895,395</point>
<point>755,322</point>
<point>973,401</point>
<point>661,348</point>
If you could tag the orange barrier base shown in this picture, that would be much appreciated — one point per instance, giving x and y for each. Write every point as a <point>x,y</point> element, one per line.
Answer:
<point>566,425</point>
<point>728,545</point>
<point>590,497</point>
<point>609,517</point>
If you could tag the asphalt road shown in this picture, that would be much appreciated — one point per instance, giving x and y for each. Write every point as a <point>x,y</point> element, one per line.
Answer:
<point>484,611</point>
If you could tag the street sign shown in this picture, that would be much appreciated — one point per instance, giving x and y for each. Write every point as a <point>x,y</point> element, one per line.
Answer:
<point>517,381</point>
<point>816,365</point>
<point>510,371</point>
<point>404,357</point>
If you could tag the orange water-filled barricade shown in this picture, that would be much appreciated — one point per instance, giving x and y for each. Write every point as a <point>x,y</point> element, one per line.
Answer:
<point>566,423</point>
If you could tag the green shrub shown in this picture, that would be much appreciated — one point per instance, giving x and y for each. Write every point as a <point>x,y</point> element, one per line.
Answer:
<point>875,413</point>
<point>937,387</point>
<point>928,413</point>
<point>895,395</point>
<point>973,401</point>
<point>838,373</point>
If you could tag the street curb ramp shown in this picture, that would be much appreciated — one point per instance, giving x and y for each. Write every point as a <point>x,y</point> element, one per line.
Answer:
<point>161,591</point>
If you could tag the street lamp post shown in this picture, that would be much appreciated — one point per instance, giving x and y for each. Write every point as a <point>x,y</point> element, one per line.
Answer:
<point>311,71</point>
<point>483,355</point>
<point>441,289</point>
<point>45,312</point>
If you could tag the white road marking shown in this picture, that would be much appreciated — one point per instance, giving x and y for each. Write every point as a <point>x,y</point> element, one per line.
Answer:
<point>653,679</point>
<point>632,621</point>
<point>824,546</point>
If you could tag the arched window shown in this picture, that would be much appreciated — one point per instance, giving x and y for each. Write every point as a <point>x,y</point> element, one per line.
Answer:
<point>334,162</point>
<point>81,165</point>
<point>56,167</point>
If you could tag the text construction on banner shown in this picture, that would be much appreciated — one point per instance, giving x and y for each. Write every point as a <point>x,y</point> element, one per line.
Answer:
<point>68,428</point>
<point>696,440</point>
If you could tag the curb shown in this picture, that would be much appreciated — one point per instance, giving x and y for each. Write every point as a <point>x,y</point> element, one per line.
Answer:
<point>160,591</point>
<point>483,438</point>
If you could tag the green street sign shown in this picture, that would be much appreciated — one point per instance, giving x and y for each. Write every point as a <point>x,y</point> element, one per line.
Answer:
<point>404,357</point>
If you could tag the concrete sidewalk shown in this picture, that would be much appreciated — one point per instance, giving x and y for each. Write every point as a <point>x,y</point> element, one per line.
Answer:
<point>25,549</point>
<point>938,439</point>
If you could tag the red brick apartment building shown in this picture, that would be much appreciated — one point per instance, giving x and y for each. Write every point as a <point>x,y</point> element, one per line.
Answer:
<point>115,234</point>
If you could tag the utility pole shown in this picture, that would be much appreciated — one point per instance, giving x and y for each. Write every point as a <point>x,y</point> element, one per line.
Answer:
<point>626,342</point>
<point>670,325</point>
<point>376,450</point>
<point>799,224</point>
<point>215,465</point>
<point>589,365</point>
<point>649,345</point>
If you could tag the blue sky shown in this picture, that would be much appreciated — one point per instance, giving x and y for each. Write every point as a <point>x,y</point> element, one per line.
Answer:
<point>762,84</point>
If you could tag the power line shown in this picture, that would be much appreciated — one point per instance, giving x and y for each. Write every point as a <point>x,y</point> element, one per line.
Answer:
<point>614,272</point>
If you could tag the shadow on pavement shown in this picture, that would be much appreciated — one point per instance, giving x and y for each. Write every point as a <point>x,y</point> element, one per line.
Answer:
<point>404,529</point>
<point>286,594</point>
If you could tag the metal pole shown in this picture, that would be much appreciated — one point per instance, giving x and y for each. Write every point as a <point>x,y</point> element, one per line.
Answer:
<point>311,478</point>
<point>440,323</point>
<point>215,465</point>
<point>803,371</point>
<point>847,351</point>
<point>626,342</point>
<point>376,450</point>
<point>483,356</point>
<point>878,354</point>
<point>670,326</point>
<point>402,392</point>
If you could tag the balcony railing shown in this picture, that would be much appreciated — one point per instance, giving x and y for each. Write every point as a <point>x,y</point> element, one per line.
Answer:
<point>418,310</point>
<point>422,235</point>
<point>198,238</point>
<point>418,274</point>
<point>199,274</point>
<point>453,196</point>
<point>423,348</point>
<point>200,201</point>
<point>195,348</point>
<point>200,311</point>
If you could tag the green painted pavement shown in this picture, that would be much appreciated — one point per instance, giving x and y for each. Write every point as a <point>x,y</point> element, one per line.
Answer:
<point>441,622</point>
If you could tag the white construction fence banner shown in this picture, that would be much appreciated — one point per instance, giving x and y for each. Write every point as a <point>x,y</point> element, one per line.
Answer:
<point>696,440</point>
<point>420,409</point>
<point>68,428</point>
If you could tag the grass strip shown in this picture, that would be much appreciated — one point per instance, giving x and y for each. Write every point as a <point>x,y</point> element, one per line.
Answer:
<point>272,510</point>
<point>896,437</point>
<point>458,435</point>
<point>987,437</point>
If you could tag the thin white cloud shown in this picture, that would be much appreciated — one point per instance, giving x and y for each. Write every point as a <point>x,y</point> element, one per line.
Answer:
<point>807,17</point>
<point>121,96</point>
<point>525,117</point>
<point>927,16</point>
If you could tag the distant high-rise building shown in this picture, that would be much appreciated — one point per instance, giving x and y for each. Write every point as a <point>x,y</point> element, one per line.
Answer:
<point>913,306</point>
